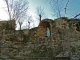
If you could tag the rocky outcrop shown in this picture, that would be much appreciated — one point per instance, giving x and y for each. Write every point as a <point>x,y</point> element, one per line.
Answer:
<point>44,24</point>
<point>7,25</point>
<point>64,32</point>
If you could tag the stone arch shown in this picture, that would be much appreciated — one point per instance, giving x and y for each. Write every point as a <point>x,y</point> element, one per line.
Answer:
<point>42,28</point>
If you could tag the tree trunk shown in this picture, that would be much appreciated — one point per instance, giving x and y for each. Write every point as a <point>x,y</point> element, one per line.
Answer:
<point>40,17</point>
<point>20,26</point>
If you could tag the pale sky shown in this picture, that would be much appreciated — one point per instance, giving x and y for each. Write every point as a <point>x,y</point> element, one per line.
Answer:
<point>33,4</point>
<point>32,11</point>
<point>3,13</point>
<point>72,9</point>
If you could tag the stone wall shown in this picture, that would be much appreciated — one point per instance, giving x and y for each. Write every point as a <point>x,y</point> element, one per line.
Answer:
<point>15,50</point>
<point>7,25</point>
<point>42,28</point>
<point>13,47</point>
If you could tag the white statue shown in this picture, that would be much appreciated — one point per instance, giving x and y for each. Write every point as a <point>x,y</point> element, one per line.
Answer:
<point>48,32</point>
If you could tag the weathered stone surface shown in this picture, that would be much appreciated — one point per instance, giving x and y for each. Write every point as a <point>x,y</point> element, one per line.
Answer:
<point>35,43</point>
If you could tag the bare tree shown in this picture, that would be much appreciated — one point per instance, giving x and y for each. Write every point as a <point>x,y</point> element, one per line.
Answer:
<point>29,25</point>
<point>29,21</point>
<point>76,15</point>
<point>66,6</point>
<point>40,12</point>
<point>58,7</point>
<point>17,10</point>
<point>8,8</point>
<point>20,23</point>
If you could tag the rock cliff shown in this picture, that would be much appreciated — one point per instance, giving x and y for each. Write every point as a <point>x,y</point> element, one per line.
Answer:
<point>64,33</point>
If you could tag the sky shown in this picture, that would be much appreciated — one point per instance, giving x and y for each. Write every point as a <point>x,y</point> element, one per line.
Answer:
<point>51,12</point>
<point>33,4</point>
<point>3,14</point>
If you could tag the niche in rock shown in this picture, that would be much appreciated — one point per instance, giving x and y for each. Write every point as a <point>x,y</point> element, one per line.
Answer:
<point>44,29</point>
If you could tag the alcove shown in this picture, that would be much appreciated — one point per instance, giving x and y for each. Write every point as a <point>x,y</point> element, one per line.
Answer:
<point>43,28</point>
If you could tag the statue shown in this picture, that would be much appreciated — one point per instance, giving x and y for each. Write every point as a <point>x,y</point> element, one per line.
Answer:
<point>48,32</point>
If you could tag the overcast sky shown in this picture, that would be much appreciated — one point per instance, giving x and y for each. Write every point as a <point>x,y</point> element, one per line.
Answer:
<point>72,9</point>
<point>3,14</point>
